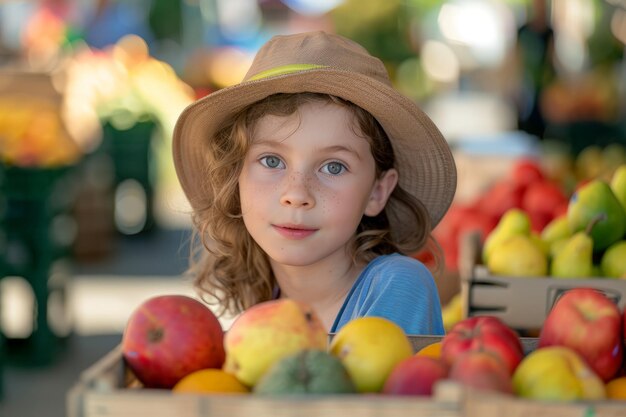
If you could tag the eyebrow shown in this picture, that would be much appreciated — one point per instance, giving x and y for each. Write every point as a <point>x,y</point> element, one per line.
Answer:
<point>334,148</point>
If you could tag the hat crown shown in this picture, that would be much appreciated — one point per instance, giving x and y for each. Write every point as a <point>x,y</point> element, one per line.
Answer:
<point>319,49</point>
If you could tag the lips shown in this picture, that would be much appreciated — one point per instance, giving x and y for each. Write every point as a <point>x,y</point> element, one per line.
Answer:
<point>295,232</point>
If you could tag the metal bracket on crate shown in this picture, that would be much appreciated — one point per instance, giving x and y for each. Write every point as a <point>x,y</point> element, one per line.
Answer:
<point>524,303</point>
<point>556,291</point>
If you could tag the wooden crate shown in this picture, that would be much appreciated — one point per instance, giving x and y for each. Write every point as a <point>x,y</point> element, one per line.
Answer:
<point>521,302</point>
<point>102,391</point>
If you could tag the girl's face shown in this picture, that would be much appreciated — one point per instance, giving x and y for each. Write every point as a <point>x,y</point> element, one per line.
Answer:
<point>306,182</point>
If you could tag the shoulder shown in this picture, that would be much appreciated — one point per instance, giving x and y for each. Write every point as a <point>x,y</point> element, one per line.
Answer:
<point>400,289</point>
<point>396,269</point>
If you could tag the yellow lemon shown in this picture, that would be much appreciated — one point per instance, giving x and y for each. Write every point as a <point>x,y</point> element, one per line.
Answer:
<point>210,381</point>
<point>557,373</point>
<point>369,348</point>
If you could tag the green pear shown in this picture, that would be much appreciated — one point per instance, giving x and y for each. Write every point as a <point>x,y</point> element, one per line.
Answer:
<point>518,256</point>
<point>596,271</point>
<point>613,262</point>
<point>557,229</point>
<point>596,200</point>
<point>575,258</point>
<point>513,222</point>
<point>618,184</point>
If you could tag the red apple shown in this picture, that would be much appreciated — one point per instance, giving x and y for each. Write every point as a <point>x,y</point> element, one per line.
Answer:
<point>622,371</point>
<point>170,336</point>
<point>588,322</point>
<point>460,219</point>
<point>486,333</point>
<point>542,198</point>
<point>502,196</point>
<point>416,375</point>
<point>449,223</point>
<point>476,221</point>
<point>560,210</point>
<point>526,171</point>
<point>539,220</point>
<point>450,247</point>
<point>483,370</point>
<point>427,257</point>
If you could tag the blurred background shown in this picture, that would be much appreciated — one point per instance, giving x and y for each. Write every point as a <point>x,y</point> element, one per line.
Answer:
<point>92,219</point>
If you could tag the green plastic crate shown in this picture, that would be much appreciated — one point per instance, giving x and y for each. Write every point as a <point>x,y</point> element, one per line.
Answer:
<point>32,201</point>
<point>133,159</point>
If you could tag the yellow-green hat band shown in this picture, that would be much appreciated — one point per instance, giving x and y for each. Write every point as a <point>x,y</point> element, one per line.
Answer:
<point>285,69</point>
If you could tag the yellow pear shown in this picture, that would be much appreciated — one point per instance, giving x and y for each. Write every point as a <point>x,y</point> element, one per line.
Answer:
<point>575,258</point>
<point>557,373</point>
<point>590,162</point>
<point>518,256</point>
<point>369,348</point>
<point>557,229</point>
<point>513,222</point>
<point>556,247</point>
<point>539,242</point>
<point>613,155</point>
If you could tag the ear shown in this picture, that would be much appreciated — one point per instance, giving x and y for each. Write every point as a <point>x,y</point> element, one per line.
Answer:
<point>380,192</point>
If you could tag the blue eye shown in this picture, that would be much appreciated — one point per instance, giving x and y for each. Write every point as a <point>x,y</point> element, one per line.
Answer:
<point>271,161</point>
<point>334,168</point>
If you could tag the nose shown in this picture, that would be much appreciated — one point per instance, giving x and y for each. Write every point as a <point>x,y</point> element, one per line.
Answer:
<point>297,192</point>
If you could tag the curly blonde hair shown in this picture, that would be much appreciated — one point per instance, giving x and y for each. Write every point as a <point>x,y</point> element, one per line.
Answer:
<point>227,263</point>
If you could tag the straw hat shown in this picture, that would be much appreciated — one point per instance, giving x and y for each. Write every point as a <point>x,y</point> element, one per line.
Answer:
<point>320,62</point>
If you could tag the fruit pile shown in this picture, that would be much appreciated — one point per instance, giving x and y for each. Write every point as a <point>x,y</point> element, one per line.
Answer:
<point>586,240</point>
<point>541,187</point>
<point>527,187</point>
<point>280,348</point>
<point>544,205</point>
<point>32,134</point>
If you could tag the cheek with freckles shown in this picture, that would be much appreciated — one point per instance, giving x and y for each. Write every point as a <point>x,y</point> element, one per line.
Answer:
<point>342,209</point>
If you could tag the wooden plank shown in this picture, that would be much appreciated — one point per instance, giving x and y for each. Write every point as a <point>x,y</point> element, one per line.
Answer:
<point>477,403</point>
<point>154,403</point>
<point>101,392</point>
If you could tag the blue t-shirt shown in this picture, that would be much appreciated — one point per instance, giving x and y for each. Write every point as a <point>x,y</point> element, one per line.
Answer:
<point>398,288</point>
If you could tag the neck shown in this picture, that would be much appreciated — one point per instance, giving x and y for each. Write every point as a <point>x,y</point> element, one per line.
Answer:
<point>324,285</point>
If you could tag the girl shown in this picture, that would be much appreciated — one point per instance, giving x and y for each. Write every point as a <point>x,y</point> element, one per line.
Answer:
<point>315,180</point>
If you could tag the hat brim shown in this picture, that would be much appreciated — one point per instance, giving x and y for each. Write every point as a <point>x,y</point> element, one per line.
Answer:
<point>423,158</point>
